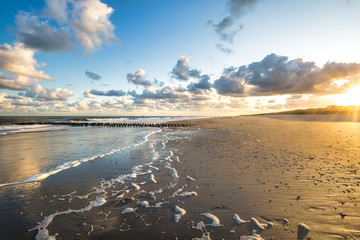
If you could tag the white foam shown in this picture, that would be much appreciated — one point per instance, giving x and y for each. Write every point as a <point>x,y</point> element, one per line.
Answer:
<point>135,186</point>
<point>106,215</point>
<point>174,173</point>
<point>252,237</point>
<point>144,204</point>
<point>188,194</point>
<point>179,213</point>
<point>158,205</point>
<point>238,220</point>
<point>150,166</point>
<point>200,226</point>
<point>91,229</point>
<point>13,128</point>
<point>158,191</point>
<point>176,192</point>
<point>43,233</point>
<point>168,158</point>
<point>98,202</point>
<point>69,194</point>
<point>205,236</point>
<point>256,222</point>
<point>152,178</point>
<point>190,178</point>
<point>122,195</point>
<point>152,195</point>
<point>269,225</point>
<point>72,164</point>
<point>213,218</point>
<point>128,210</point>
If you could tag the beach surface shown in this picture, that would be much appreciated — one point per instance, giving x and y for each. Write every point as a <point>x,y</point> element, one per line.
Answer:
<point>246,177</point>
<point>280,172</point>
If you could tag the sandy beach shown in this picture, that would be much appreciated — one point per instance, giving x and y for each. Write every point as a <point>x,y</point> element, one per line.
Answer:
<point>247,177</point>
<point>278,171</point>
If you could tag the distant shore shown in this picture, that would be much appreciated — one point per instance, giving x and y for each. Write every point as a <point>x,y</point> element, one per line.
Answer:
<point>282,173</point>
<point>330,113</point>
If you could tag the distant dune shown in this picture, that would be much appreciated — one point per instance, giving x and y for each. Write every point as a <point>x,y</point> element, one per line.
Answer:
<point>332,109</point>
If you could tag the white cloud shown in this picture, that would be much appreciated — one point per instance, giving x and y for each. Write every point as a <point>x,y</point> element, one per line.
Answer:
<point>182,71</point>
<point>65,24</point>
<point>38,34</point>
<point>55,94</point>
<point>87,94</point>
<point>57,9</point>
<point>91,25</point>
<point>5,104</point>
<point>25,102</point>
<point>18,83</point>
<point>138,78</point>
<point>19,60</point>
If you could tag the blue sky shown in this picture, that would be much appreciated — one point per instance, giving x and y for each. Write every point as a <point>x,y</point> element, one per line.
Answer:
<point>172,57</point>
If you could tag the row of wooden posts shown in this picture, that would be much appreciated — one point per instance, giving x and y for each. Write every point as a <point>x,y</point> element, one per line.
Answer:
<point>95,124</point>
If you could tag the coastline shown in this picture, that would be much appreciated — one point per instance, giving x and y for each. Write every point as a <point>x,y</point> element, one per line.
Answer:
<point>215,178</point>
<point>276,171</point>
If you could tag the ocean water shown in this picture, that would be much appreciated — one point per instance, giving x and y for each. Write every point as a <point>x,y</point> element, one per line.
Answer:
<point>51,172</point>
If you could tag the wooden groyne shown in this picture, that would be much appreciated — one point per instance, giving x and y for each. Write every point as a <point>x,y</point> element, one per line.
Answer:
<point>95,124</point>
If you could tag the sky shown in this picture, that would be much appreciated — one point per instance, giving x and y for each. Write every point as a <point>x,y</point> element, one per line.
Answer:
<point>177,57</point>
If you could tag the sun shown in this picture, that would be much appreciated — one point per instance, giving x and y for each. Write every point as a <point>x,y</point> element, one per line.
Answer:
<point>352,97</point>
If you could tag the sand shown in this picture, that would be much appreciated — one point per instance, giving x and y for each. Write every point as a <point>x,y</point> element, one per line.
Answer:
<point>283,172</point>
<point>232,178</point>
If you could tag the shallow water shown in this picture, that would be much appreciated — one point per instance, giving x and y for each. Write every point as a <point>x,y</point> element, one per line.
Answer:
<point>50,174</point>
<point>28,154</point>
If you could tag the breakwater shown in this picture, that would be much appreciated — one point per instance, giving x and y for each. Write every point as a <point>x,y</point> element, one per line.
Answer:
<point>98,124</point>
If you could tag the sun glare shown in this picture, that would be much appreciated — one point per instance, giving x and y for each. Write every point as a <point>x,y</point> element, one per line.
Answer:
<point>352,97</point>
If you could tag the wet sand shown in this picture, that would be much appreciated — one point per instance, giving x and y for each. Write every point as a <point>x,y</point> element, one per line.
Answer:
<point>278,171</point>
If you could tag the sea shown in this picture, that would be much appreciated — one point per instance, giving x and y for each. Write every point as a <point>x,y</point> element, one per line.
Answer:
<point>54,178</point>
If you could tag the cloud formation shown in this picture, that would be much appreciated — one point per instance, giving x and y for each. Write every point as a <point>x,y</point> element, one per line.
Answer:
<point>66,24</point>
<point>202,84</point>
<point>92,75</point>
<point>37,34</point>
<point>25,102</point>
<point>227,28</point>
<point>55,94</point>
<point>138,78</point>
<point>108,93</point>
<point>163,93</point>
<point>19,60</point>
<point>182,71</point>
<point>20,66</point>
<point>91,25</point>
<point>229,85</point>
<point>5,103</point>
<point>278,75</point>
<point>224,49</point>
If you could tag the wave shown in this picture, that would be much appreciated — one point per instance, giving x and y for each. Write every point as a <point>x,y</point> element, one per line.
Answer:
<point>72,164</point>
<point>13,128</point>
